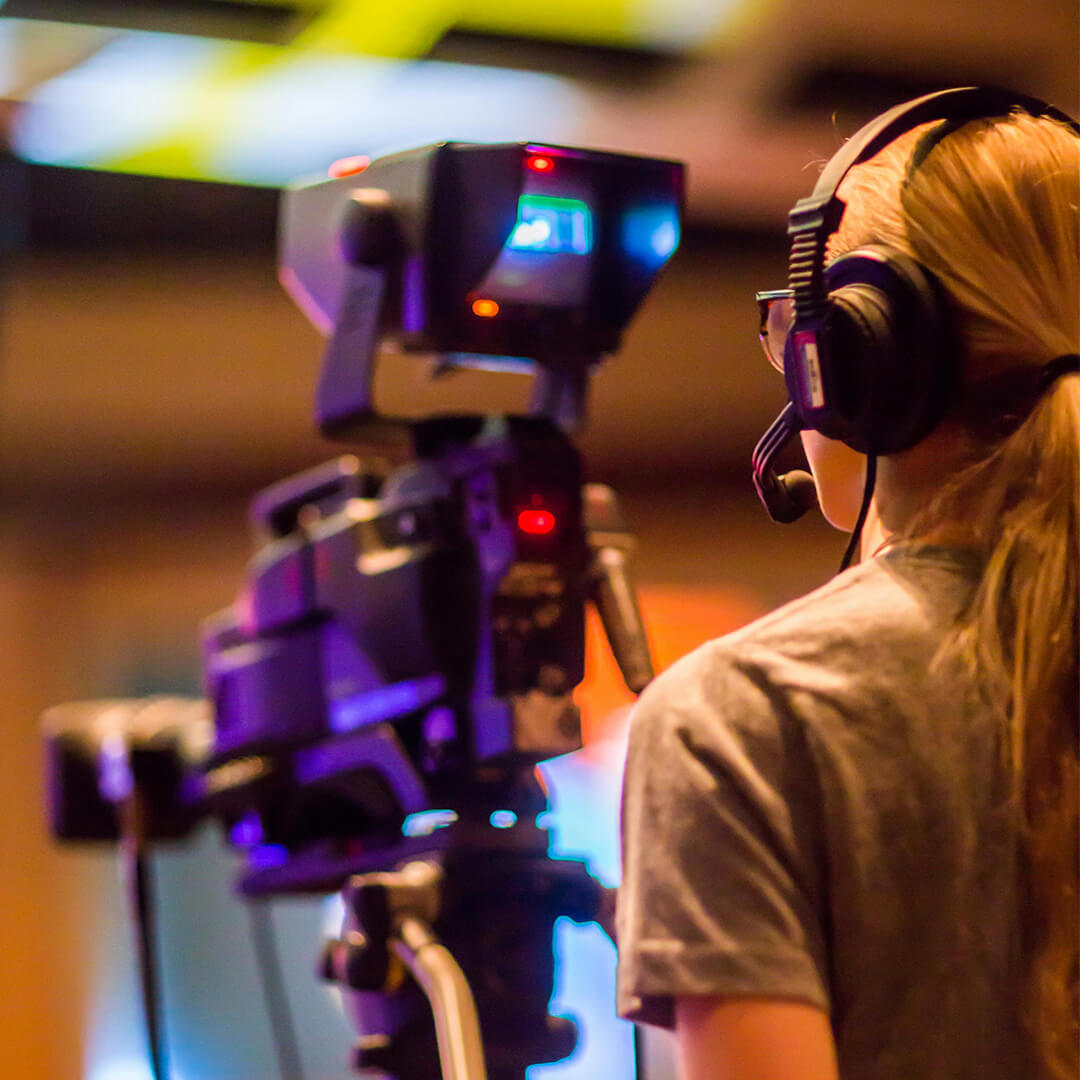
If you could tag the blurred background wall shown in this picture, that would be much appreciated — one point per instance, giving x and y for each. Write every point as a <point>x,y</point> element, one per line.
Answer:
<point>153,374</point>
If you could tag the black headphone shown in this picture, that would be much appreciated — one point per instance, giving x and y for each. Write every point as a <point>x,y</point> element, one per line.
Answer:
<point>870,359</point>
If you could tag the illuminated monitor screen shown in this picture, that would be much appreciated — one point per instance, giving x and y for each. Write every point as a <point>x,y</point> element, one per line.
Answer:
<point>547,259</point>
<point>547,223</point>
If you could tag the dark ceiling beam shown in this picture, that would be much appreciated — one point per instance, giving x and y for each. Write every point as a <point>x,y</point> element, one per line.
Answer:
<point>274,24</point>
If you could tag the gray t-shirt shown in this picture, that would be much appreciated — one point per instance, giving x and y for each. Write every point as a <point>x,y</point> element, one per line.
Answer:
<point>814,809</point>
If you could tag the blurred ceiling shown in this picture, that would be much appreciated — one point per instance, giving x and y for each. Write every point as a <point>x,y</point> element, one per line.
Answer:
<point>746,91</point>
<point>144,336</point>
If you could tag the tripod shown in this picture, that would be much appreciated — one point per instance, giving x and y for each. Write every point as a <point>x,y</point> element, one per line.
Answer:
<point>472,924</point>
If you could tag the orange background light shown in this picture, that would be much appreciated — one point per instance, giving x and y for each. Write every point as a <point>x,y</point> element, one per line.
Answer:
<point>485,308</point>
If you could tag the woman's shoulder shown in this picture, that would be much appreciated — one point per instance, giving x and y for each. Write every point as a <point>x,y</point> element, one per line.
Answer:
<point>857,638</point>
<point>909,592</point>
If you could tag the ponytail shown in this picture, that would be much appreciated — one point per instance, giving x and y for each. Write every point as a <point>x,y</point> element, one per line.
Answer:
<point>1020,638</point>
<point>993,213</point>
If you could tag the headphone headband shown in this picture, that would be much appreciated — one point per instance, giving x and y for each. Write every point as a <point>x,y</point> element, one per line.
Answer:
<point>958,105</point>
<point>815,218</point>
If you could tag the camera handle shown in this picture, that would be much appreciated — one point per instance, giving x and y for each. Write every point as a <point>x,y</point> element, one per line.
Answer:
<point>457,1026</point>
<point>611,588</point>
<point>389,928</point>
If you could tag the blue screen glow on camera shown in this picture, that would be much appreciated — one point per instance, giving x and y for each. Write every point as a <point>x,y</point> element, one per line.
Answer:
<point>651,233</point>
<point>551,224</point>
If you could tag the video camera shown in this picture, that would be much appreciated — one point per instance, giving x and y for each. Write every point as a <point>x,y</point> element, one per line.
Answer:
<point>412,629</point>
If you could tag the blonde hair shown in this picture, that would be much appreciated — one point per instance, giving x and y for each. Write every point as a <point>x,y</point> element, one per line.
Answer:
<point>994,212</point>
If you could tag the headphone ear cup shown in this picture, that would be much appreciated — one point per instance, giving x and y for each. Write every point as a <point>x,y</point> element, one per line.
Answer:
<point>887,353</point>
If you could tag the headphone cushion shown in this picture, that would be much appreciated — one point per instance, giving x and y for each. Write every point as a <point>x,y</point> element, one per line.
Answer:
<point>890,355</point>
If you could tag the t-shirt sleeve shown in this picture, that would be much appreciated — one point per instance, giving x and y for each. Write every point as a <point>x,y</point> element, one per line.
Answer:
<point>721,837</point>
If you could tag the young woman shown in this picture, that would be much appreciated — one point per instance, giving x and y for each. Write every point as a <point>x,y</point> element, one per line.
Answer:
<point>850,829</point>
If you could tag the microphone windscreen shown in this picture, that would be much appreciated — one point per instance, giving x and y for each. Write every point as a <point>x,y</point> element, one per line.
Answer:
<point>798,486</point>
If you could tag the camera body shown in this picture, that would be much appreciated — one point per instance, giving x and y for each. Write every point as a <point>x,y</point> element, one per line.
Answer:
<point>412,627</point>
<point>406,642</point>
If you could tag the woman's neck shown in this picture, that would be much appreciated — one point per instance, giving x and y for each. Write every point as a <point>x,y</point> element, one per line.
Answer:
<point>875,537</point>
<point>907,484</point>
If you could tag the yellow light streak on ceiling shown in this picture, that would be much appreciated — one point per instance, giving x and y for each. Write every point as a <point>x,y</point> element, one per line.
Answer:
<point>206,112</point>
<point>608,22</point>
<point>206,117</point>
<point>401,28</point>
<point>404,29</point>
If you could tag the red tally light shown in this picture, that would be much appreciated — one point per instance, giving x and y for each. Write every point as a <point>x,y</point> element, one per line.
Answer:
<point>486,309</point>
<point>536,522</point>
<point>540,163</point>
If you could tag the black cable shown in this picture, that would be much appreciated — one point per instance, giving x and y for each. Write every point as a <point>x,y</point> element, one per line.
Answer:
<point>140,896</point>
<point>640,1070</point>
<point>273,988</point>
<point>868,494</point>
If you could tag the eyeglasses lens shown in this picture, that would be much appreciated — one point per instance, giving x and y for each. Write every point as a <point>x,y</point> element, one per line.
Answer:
<point>777,310</point>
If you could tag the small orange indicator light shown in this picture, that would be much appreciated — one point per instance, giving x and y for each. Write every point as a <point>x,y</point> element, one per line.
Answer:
<point>349,166</point>
<point>536,522</point>
<point>486,309</point>
<point>540,163</point>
